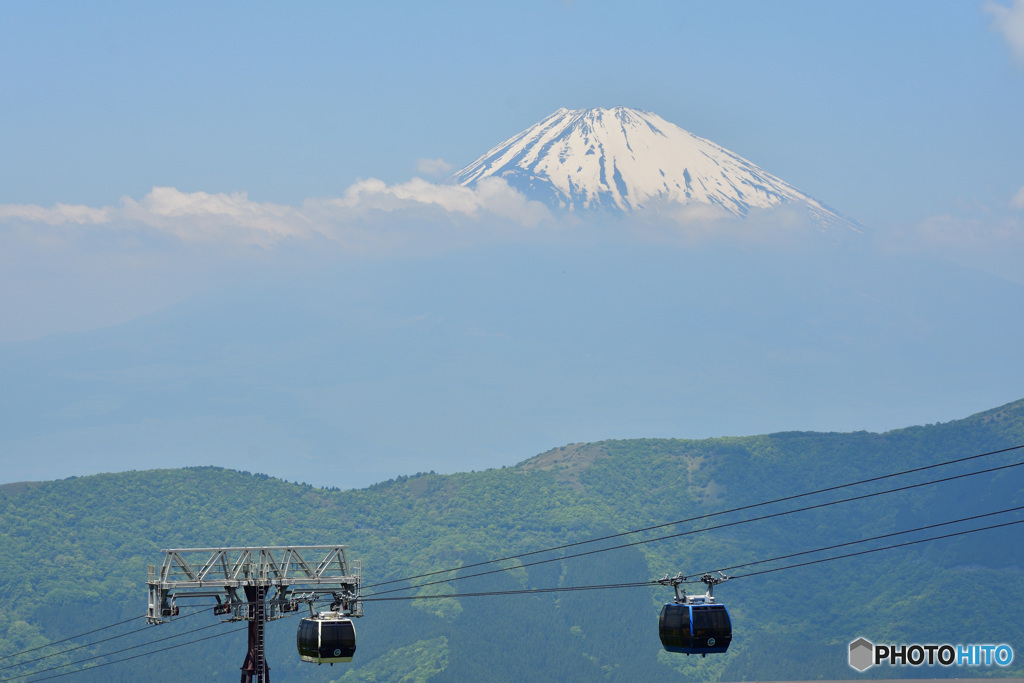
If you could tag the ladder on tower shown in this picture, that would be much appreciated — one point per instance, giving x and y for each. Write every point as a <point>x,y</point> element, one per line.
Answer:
<point>261,620</point>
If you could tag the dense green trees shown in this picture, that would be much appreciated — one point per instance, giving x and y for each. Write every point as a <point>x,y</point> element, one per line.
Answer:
<point>75,553</point>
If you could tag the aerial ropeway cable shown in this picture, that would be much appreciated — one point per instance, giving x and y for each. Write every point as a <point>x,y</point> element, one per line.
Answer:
<point>122,650</point>
<point>876,550</point>
<point>706,529</point>
<point>700,626</point>
<point>653,582</point>
<point>80,635</point>
<point>613,536</point>
<point>125,659</point>
<point>662,525</point>
<point>699,623</point>
<point>79,647</point>
<point>694,600</point>
<point>873,538</point>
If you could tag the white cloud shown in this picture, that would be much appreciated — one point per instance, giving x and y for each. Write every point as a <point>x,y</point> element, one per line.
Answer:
<point>356,219</point>
<point>1017,201</point>
<point>972,233</point>
<point>376,195</point>
<point>373,217</point>
<point>977,238</point>
<point>433,167</point>
<point>491,196</point>
<point>199,216</point>
<point>59,214</point>
<point>1009,21</point>
<point>690,225</point>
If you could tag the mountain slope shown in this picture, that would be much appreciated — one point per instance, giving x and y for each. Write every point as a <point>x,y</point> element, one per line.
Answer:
<point>624,159</point>
<point>79,547</point>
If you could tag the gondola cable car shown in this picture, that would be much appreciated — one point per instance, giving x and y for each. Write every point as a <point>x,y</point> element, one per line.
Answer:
<point>327,637</point>
<point>695,624</point>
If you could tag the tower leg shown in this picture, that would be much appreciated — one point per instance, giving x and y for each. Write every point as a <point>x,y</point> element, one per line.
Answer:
<point>255,668</point>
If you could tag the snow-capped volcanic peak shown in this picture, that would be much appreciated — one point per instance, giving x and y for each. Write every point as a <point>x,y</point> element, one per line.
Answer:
<point>626,159</point>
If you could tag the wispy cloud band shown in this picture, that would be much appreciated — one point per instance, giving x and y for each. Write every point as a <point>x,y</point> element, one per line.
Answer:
<point>1009,22</point>
<point>235,218</point>
<point>57,214</point>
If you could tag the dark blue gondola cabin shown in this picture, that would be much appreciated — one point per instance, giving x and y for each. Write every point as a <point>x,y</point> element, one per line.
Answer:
<point>695,629</point>
<point>326,638</point>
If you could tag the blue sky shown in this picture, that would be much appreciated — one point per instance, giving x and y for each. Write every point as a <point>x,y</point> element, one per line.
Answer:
<point>904,116</point>
<point>891,112</point>
<point>164,166</point>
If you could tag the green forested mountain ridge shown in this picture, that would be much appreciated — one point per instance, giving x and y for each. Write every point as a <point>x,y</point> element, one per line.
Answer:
<point>75,553</point>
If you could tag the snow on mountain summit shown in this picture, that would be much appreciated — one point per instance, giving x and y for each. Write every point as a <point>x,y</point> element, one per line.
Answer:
<point>624,159</point>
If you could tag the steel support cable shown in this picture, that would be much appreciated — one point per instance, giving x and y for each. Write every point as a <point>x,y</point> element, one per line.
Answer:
<point>601,538</point>
<point>115,652</point>
<point>144,654</point>
<point>634,531</point>
<point>80,635</point>
<point>639,584</point>
<point>875,550</point>
<point>710,528</point>
<point>863,540</point>
<point>698,518</point>
<point>521,591</point>
<point>196,609</point>
<point>95,642</point>
<point>125,659</point>
<point>636,584</point>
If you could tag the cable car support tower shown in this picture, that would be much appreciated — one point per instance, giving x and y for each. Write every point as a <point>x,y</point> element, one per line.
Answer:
<point>254,584</point>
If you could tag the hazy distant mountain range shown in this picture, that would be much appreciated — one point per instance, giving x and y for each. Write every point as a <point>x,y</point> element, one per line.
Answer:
<point>622,159</point>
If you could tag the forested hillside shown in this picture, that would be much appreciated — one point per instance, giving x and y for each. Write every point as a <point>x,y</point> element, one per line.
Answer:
<point>75,556</point>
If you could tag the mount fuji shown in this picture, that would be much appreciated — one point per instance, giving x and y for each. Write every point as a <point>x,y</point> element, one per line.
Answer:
<point>622,159</point>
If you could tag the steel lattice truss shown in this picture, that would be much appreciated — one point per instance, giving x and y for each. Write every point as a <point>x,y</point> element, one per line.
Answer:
<point>220,572</point>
